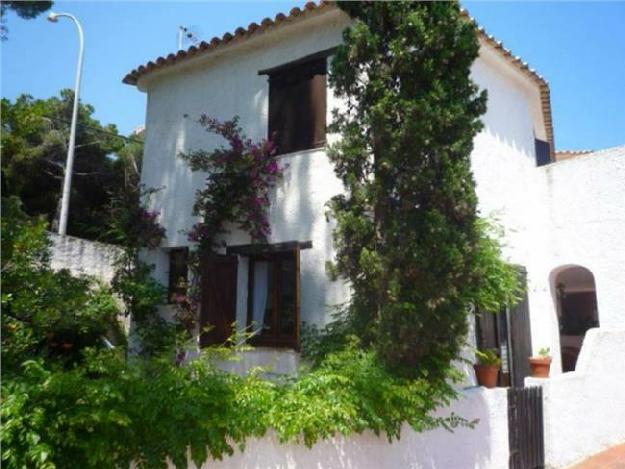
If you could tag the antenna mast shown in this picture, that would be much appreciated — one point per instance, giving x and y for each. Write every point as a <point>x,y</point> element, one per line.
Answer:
<point>185,33</point>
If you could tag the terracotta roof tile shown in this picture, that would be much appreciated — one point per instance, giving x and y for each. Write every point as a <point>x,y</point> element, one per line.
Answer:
<point>254,28</point>
<point>568,154</point>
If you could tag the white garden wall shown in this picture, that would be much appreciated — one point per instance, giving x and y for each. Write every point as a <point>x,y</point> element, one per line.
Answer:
<point>484,447</point>
<point>584,410</point>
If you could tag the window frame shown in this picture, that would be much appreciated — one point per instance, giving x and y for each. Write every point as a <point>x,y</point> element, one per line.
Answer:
<point>171,288</point>
<point>275,339</point>
<point>284,97</point>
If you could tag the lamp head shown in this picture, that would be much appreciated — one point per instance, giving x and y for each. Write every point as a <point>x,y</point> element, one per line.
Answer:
<point>53,17</point>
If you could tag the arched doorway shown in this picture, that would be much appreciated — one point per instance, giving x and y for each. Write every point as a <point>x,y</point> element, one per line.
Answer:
<point>576,305</point>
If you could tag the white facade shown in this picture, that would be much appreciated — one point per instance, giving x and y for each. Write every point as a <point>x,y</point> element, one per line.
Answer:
<point>570,212</point>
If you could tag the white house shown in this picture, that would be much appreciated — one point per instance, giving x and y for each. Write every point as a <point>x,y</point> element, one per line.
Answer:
<point>564,218</point>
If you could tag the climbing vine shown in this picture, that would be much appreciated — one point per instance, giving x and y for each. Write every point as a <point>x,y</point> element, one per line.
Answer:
<point>238,182</point>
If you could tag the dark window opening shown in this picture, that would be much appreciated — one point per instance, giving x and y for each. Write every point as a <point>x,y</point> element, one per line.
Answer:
<point>509,333</point>
<point>297,106</point>
<point>543,152</point>
<point>273,299</point>
<point>178,271</point>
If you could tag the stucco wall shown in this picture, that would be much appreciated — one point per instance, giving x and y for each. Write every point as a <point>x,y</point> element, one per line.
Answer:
<point>586,196</point>
<point>83,257</point>
<point>226,86</point>
<point>584,410</point>
<point>484,447</point>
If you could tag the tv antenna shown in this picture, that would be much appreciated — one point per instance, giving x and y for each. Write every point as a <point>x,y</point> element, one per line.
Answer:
<point>186,35</point>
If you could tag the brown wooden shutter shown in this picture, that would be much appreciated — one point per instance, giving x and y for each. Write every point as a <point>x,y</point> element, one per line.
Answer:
<point>298,298</point>
<point>297,106</point>
<point>318,109</point>
<point>520,335</point>
<point>218,298</point>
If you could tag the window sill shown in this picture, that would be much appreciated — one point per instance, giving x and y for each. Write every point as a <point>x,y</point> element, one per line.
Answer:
<point>260,343</point>
<point>303,152</point>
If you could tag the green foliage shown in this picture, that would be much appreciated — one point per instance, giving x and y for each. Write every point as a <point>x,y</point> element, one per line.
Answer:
<point>136,230</point>
<point>46,314</point>
<point>488,357</point>
<point>91,407</point>
<point>544,352</point>
<point>240,177</point>
<point>408,236</point>
<point>26,9</point>
<point>108,412</point>
<point>34,149</point>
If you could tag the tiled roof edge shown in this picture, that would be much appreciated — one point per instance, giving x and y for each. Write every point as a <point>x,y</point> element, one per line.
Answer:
<point>254,28</point>
<point>239,34</point>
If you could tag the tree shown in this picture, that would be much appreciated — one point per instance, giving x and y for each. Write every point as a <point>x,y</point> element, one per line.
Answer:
<point>27,9</point>
<point>408,235</point>
<point>34,149</point>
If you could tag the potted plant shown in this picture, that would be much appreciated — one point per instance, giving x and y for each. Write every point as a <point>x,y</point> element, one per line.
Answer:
<point>487,367</point>
<point>540,364</point>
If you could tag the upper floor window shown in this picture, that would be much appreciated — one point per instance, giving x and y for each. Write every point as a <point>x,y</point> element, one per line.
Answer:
<point>297,105</point>
<point>543,152</point>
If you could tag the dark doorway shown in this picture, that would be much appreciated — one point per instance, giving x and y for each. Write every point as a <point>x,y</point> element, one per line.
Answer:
<point>508,332</point>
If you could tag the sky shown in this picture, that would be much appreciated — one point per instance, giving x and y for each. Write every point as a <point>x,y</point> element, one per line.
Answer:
<point>579,47</point>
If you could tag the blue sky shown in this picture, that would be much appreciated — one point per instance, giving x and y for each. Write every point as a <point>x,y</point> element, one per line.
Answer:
<point>579,47</point>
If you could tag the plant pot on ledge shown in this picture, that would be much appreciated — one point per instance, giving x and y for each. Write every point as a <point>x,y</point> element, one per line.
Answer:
<point>540,366</point>
<point>487,368</point>
<point>486,375</point>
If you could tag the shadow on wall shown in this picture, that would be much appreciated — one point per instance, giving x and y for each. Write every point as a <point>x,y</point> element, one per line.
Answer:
<point>485,446</point>
<point>298,213</point>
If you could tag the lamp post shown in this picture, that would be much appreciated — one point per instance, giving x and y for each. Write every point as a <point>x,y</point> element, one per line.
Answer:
<point>69,165</point>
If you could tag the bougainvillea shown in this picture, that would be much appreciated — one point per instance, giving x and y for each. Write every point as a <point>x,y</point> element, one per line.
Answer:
<point>238,184</point>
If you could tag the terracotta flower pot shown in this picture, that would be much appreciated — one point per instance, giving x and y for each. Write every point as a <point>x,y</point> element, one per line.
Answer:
<point>486,375</point>
<point>540,366</point>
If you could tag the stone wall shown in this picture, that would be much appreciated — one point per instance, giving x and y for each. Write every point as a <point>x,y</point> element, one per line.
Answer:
<point>83,257</point>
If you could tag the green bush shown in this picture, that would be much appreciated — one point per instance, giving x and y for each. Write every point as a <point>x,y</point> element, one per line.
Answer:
<point>47,314</point>
<point>107,412</point>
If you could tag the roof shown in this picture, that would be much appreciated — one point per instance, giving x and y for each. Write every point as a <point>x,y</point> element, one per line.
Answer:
<point>568,154</point>
<point>605,153</point>
<point>311,9</point>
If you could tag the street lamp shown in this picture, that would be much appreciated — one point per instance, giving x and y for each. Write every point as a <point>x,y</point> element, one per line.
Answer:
<point>69,165</point>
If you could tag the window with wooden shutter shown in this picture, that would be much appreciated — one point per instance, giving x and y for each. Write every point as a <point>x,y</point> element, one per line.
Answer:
<point>297,105</point>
